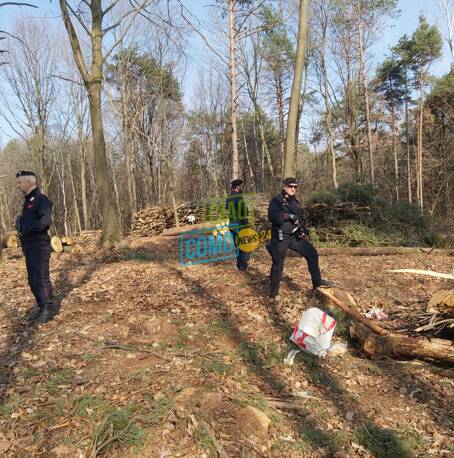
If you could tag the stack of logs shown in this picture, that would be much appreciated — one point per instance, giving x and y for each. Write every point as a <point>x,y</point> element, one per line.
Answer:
<point>58,245</point>
<point>155,220</point>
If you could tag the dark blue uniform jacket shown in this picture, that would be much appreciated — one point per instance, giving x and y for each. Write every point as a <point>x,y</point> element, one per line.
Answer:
<point>36,218</point>
<point>278,213</point>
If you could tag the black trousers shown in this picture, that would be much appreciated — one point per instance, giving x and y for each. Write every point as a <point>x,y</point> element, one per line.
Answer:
<point>278,250</point>
<point>242,257</point>
<point>37,256</point>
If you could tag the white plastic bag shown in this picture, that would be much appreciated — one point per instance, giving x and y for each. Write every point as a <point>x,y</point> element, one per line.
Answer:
<point>314,331</point>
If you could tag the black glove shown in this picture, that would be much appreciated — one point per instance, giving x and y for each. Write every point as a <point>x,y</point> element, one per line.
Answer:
<point>19,225</point>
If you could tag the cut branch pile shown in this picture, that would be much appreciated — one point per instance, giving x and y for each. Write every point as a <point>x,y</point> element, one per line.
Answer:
<point>378,341</point>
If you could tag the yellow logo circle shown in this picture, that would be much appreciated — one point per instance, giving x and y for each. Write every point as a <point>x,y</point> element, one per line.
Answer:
<point>248,240</point>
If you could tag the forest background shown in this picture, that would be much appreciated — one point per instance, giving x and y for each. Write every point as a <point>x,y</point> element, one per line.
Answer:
<point>375,118</point>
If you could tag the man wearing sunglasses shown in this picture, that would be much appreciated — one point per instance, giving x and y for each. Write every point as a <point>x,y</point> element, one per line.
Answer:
<point>289,231</point>
<point>32,227</point>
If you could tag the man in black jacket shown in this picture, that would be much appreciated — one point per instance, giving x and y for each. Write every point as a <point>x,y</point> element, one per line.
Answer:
<point>238,219</point>
<point>289,231</point>
<point>32,227</point>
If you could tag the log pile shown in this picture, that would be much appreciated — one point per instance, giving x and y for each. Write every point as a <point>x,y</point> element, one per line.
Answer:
<point>155,220</point>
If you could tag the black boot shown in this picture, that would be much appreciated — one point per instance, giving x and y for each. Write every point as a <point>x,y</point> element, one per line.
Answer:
<point>45,315</point>
<point>33,313</point>
<point>324,284</point>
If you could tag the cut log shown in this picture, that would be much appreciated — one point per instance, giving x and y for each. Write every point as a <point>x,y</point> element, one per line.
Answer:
<point>402,346</point>
<point>11,240</point>
<point>353,313</point>
<point>67,241</point>
<point>429,273</point>
<point>72,249</point>
<point>188,228</point>
<point>55,243</point>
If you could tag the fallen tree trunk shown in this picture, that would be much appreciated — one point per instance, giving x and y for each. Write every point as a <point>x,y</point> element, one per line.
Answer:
<point>429,273</point>
<point>354,313</point>
<point>372,251</point>
<point>197,228</point>
<point>398,345</point>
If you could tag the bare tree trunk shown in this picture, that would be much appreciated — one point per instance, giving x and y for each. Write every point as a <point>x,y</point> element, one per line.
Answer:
<point>300,112</point>
<point>42,156</point>
<point>73,188</point>
<point>128,149</point>
<point>419,152</point>
<point>109,218</point>
<point>366,100</point>
<point>233,93</point>
<point>251,172</point>
<point>92,81</point>
<point>280,109</point>
<point>83,178</point>
<point>407,141</point>
<point>290,144</point>
<point>3,224</point>
<point>396,162</point>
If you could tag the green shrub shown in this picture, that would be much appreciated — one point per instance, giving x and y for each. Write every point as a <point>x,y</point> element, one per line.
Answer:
<point>362,194</point>
<point>433,238</point>
<point>410,214</point>
<point>322,197</point>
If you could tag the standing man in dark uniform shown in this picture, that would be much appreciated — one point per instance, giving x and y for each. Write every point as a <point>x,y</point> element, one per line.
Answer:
<point>32,227</point>
<point>289,231</point>
<point>238,219</point>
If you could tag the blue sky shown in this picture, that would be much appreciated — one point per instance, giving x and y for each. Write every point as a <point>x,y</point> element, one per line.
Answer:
<point>393,30</point>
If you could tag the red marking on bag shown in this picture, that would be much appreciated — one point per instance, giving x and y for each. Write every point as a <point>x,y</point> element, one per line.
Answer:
<point>299,340</point>
<point>331,326</point>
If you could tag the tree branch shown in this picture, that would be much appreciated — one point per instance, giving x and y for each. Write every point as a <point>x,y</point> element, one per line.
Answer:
<point>111,27</point>
<point>75,45</point>
<point>136,12</point>
<point>110,7</point>
<point>65,78</point>
<point>201,35</point>
<point>17,4</point>
<point>79,18</point>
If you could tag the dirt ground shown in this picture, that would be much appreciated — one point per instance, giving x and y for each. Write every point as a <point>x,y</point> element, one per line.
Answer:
<point>149,358</point>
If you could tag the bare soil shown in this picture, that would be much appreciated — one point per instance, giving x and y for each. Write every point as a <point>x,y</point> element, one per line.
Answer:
<point>149,358</point>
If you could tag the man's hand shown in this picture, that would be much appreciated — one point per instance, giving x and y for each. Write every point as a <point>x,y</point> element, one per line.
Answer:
<point>293,218</point>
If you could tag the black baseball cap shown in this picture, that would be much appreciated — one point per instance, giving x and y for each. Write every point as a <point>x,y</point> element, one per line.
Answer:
<point>290,181</point>
<point>25,173</point>
<point>236,183</point>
